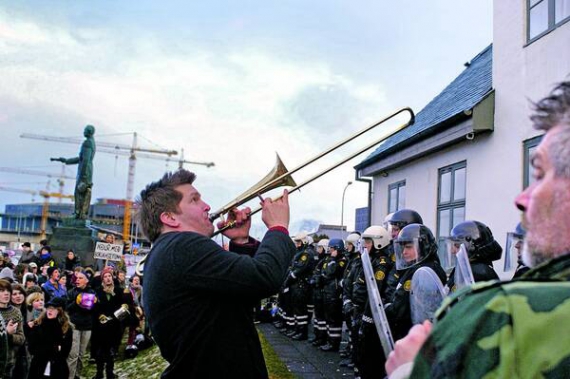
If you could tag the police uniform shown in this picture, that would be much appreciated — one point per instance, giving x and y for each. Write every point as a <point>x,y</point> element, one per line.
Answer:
<point>319,321</point>
<point>348,278</point>
<point>369,350</point>
<point>332,272</point>
<point>298,280</point>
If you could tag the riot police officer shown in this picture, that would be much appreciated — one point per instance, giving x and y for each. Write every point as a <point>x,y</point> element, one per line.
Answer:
<point>513,249</point>
<point>319,322</point>
<point>482,250</point>
<point>333,268</point>
<point>298,282</point>
<point>415,247</point>
<point>353,262</point>
<point>397,221</point>
<point>376,240</point>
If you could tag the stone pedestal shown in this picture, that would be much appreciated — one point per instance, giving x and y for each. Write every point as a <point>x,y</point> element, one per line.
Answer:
<point>76,235</point>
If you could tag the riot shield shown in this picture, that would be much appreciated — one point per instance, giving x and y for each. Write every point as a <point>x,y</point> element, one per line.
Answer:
<point>426,295</point>
<point>376,305</point>
<point>513,250</point>
<point>463,273</point>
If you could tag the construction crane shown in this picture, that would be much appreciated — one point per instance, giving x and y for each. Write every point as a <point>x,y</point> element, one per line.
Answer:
<point>45,208</point>
<point>60,177</point>
<point>119,149</point>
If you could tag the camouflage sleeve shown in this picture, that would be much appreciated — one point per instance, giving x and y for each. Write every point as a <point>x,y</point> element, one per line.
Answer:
<point>499,331</point>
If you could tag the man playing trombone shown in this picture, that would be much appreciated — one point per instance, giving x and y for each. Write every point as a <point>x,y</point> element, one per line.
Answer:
<point>198,296</point>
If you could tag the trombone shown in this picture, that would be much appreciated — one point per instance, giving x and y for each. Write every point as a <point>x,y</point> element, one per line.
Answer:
<point>280,176</point>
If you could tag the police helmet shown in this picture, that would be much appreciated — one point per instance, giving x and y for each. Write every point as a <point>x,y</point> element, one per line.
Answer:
<point>337,244</point>
<point>352,240</point>
<point>322,246</point>
<point>301,237</point>
<point>414,244</point>
<point>478,240</point>
<point>379,236</point>
<point>405,217</point>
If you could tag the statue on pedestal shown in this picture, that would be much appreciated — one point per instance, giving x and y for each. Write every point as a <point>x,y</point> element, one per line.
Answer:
<point>84,181</point>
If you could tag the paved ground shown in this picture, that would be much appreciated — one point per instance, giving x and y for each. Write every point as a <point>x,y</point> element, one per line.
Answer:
<point>303,359</point>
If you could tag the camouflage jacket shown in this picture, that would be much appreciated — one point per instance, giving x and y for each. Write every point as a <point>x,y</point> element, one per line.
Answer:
<point>503,330</point>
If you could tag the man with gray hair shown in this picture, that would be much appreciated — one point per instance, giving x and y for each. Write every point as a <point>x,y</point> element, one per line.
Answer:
<point>508,330</point>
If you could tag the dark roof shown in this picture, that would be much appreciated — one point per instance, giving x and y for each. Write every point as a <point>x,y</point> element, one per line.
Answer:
<point>466,91</point>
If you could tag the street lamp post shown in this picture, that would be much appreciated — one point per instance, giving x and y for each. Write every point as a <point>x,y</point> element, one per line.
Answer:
<point>342,207</point>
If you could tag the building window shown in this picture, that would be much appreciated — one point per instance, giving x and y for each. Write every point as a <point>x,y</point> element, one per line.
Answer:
<point>545,15</point>
<point>396,196</point>
<point>451,198</point>
<point>529,149</point>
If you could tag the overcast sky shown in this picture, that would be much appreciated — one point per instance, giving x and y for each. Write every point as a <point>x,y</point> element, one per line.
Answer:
<point>231,82</point>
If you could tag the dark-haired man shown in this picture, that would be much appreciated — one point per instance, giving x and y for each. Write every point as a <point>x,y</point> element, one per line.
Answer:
<point>198,297</point>
<point>513,330</point>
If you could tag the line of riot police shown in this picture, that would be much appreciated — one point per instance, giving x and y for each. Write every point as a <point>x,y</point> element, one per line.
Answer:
<point>409,273</point>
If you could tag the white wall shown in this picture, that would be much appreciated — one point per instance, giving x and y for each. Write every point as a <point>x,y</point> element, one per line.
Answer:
<point>494,161</point>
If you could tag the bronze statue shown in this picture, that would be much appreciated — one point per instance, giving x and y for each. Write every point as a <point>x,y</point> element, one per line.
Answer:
<point>84,181</point>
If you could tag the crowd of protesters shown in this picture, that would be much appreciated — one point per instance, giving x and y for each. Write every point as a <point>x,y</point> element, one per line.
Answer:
<point>52,314</point>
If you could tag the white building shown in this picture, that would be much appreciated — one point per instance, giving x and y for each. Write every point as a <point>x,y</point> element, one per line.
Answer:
<point>467,155</point>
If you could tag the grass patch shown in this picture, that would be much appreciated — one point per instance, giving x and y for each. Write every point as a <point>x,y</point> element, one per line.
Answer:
<point>275,366</point>
<point>149,364</point>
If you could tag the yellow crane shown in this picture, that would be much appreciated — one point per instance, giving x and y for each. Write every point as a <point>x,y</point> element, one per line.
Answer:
<point>45,207</point>
<point>60,177</point>
<point>132,152</point>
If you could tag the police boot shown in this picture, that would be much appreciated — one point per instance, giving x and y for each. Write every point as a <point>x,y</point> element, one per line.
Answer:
<point>320,341</point>
<point>330,346</point>
<point>290,333</point>
<point>300,336</point>
<point>347,352</point>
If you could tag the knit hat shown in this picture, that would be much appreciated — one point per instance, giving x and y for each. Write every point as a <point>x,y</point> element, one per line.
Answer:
<point>7,274</point>
<point>107,270</point>
<point>50,271</point>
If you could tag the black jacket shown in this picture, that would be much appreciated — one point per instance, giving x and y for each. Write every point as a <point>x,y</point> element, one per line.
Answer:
<point>48,343</point>
<point>398,309</point>
<point>80,311</point>
<point>197,299</point>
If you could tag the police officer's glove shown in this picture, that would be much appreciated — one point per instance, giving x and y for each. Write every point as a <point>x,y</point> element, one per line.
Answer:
<point>348,308</point>
<point>318,282</point>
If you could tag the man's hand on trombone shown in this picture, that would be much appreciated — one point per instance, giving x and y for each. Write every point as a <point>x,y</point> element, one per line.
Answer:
<point>276,212</point>
<point>239,233</point>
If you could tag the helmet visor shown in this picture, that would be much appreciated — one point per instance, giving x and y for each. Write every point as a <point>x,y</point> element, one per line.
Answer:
<point>408,253</point>
<point>365,244</point>
<point>513,250</point>
<point>447,252</point>
<point>394,229</point>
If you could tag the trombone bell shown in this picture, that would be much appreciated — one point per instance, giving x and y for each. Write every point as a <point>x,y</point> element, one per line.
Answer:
<point>259,188</point>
